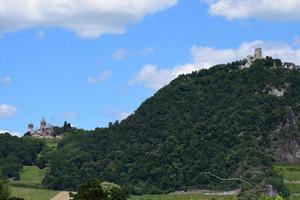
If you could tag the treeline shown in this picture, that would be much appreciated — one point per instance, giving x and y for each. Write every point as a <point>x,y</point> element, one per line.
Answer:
<point>219,120</point>
<point>16,152</point>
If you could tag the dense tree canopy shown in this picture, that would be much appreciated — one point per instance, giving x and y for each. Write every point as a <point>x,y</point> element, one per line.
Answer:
<point>95,190</point>
<point>16,152</point>
<point>219,120</point>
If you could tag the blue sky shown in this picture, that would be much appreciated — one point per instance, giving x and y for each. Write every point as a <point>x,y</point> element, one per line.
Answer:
<point>93,63</point>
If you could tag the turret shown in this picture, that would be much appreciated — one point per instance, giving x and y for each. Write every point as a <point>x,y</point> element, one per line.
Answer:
<point>30,128</point>
<point>43,124</point>
<point>258,53</point>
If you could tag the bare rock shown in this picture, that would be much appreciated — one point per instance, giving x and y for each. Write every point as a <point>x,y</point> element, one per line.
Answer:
<point>287,149</point>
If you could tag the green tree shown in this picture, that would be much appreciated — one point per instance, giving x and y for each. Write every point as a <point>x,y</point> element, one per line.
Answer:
<point>4,191</point>
<point>114,191</point>
<point>95,190</point>
<point>91,190</point>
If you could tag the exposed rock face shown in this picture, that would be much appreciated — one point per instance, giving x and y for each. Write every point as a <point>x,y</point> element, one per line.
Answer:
<point>288,147</point>
<point>259,189</point>
<point>277,92</point>
<point>270,191</point>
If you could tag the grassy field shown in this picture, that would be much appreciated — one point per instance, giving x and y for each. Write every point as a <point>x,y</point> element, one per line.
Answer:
<point>177,197</point>
<point>29,186</point>
<point>290,173</point>
<point>31,176</point>
<point>32,193</point>
<point>294,187</point>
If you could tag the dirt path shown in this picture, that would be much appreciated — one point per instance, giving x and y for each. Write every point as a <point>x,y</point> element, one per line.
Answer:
<point>62,196</point>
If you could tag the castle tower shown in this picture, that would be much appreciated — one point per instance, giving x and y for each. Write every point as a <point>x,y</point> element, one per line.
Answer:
<point>43,124</point>
<point>30,128</point>
<point>258,53</point>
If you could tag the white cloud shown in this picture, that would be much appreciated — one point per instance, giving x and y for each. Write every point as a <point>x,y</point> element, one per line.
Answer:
<point>117,113</point>
<point>152,77</point>
<point>5,80</point>
<point>11,132</point>
<point>100,78</point>
<point>68,115</point>
<point>260,9</point>
<point>297,41</point>
<point>40,35</point>
<point>7,110</point>
<point>123,115</point>
<point>120,54</point>
<point>147,51</point>
<point>88,18</point>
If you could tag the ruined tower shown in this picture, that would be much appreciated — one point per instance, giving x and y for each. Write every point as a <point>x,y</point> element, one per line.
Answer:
<point>258,53</point>
<point>30,128</point>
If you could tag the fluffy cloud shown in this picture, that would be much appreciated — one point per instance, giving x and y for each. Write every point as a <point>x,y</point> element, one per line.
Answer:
<point>120,54</point>
<point>7,110</point>
<point>40,35</point>
<point>147,51</point>
<point>152,77</point>
<point>88,18</point>
<point>11,132</point>
<point>103,76</point>
<point>117,113</point>
<point>297,41</point>
<point>261,9</point>
<point>67,115</point>
<point>205,57</point>
<point>5,80</point>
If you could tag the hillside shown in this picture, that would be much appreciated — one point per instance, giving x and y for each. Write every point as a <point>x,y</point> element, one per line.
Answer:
<point>228,121</point>
<point>16,152</point>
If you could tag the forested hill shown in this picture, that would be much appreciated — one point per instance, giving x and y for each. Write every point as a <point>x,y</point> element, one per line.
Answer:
<point>16,152</point>
<point>228,121</point>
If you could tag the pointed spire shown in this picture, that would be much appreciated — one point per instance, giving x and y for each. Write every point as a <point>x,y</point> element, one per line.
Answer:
<point>43,121</point>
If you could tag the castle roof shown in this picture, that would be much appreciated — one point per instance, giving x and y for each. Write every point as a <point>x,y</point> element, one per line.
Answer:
<point>43,121</point>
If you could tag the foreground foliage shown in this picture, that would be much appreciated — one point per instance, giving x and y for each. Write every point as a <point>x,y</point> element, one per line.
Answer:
<point>29,186</point>
<point>4,191</point>
<point>95,190</point>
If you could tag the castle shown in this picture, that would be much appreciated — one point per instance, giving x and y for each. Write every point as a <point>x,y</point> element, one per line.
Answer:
<point>258,54</point>
<point>45,130</point>
<point>250,59</point>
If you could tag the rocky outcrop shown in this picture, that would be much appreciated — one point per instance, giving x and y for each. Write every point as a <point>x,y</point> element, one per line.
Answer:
<point>288,146</point>
<point>277,92</point>
<point>262,188</point>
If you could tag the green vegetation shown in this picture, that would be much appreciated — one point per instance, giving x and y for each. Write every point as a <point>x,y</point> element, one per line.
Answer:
<point>32,193</point>
<point>4,191</point>
<point>16,152</point>
<point>95,190</point>
<point>290,173</point>
<point>177,197</point>
<point>31,177</point>
<point>220,120</point>
<point>294,188</point>
<point>295,197</point>
<point>29,186</point>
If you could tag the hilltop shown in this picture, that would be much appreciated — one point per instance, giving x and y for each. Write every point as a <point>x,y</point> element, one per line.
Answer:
<point>226,120</point>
